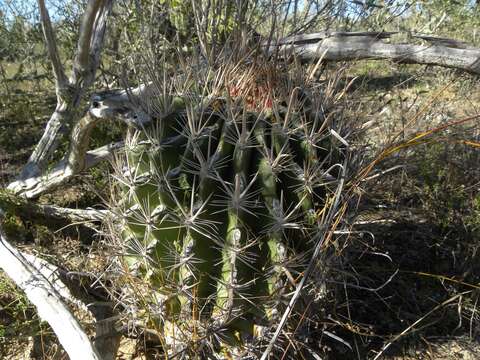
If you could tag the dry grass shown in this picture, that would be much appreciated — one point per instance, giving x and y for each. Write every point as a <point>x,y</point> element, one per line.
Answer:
<point>414,248</point>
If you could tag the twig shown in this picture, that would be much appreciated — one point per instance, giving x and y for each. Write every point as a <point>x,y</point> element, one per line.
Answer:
<point>383,172</point>
<point>48,214</point>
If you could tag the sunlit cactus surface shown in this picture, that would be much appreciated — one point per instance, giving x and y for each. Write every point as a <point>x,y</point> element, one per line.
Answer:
<point>221,201</point>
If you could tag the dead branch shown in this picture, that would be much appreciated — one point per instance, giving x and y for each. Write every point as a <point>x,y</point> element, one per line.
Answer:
<point>121,105</point>
<point>48,214</point>
<point>342,46</point>
<point>48,300</point>
<point>78,289</point>
<point>91,23</point>
<point>73,94</point>
<point>35,186</point>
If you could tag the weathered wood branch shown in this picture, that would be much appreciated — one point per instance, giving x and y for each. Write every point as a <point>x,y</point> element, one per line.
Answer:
<point>72,95</point>
<point>35,186</point>
<point>121,104</point>
<point>322,35</point>
<point>48,214</point>
<point>87,27</point>
<point>357,46</point>
<point>442,41</point>
<point>78,289</point>
<point>51,43</point>
<point>48,300</point>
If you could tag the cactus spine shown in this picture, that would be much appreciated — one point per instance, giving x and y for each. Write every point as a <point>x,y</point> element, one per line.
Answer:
<point>219,203</point>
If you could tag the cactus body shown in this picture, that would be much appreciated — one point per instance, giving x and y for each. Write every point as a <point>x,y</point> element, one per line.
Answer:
<point>218,211</point>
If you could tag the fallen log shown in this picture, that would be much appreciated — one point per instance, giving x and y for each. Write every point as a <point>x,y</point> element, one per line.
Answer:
<point>342,46</point>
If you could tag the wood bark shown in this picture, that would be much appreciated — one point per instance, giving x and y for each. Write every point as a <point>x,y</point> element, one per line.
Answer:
<point>47,298</point>
<point>372,45</point>
<point>72,94</point>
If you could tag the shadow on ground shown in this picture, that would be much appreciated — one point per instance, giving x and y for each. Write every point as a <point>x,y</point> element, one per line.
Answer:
<point>368,82</point>
<point>410,283</point>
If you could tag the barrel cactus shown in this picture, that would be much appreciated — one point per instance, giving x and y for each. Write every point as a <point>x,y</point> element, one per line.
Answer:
<point>220,201</point>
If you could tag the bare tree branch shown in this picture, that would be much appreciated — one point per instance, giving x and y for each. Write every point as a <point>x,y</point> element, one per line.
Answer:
<point>78,289</point>
<point>369,45</point>
<point>48,213</point>
<point>90,17</point>
<point>61,79</point>
<point>48,300</point>
<point>72,99</point>
<point>35,186</point>
<point>121,105</point>
<point>79,141</point>
<point>90,42</point>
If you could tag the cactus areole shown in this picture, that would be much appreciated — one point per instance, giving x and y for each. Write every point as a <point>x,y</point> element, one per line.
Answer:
<point>219,203</point>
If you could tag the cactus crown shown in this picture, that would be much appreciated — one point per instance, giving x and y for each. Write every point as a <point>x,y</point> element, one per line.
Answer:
<point>220,201</point>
